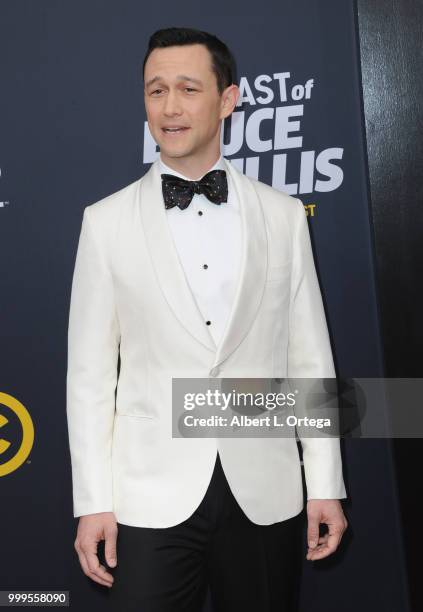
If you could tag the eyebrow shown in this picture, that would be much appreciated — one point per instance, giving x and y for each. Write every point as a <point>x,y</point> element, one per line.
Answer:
<point>180,77</point>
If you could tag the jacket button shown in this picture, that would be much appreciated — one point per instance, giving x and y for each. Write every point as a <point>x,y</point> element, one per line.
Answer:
<point>214,371</point>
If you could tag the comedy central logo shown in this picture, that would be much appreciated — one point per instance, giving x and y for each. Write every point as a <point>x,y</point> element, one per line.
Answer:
<point>13,454</point>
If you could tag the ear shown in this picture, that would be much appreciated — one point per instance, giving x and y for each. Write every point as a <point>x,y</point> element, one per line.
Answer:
<point>229,99</point>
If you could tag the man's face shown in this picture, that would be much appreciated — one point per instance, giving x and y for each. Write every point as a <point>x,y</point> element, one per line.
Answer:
<point>184,95</point>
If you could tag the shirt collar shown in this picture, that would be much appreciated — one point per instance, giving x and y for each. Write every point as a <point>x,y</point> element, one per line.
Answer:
<point>219,165</point>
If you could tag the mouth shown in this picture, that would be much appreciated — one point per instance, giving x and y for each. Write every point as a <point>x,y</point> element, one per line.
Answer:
<point>174,131</point>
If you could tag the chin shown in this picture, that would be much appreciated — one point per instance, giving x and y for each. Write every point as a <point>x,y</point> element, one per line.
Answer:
<point>175,151</point>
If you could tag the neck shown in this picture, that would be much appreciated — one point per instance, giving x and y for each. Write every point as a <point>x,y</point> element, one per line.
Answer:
<point>191,167</point>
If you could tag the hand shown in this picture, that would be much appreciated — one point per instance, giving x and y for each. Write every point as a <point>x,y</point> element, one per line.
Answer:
<point>328,511</point>
<point>91,529</point>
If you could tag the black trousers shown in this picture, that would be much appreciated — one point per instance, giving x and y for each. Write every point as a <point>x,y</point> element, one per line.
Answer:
<point>248,567</point>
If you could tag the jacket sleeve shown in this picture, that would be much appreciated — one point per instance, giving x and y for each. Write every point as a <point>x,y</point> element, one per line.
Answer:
<point>93,347</point>
<point>310,356</point>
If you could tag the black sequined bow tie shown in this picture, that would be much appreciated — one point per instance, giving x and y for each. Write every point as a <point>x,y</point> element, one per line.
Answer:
<point>179,192</point>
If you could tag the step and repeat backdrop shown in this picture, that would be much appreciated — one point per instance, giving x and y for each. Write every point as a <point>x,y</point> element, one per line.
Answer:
<point>73,130</point>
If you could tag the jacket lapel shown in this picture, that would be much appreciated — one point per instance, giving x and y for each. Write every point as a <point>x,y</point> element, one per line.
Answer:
<point>171,276</point>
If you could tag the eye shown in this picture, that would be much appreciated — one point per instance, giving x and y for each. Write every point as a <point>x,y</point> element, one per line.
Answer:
<point>153,92</point>
<point>190,88</point>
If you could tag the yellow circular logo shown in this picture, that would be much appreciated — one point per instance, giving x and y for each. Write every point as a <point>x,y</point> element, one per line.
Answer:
<point>27,434</point>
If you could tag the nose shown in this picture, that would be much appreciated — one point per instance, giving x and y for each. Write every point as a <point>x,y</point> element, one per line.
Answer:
<point>172,104</point>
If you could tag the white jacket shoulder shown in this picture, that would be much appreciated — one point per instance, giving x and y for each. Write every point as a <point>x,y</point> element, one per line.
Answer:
<point>108,208</point>
<point>277,204</point>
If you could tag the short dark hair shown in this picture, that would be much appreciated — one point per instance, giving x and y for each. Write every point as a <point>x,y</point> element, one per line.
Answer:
<point>222,60</point>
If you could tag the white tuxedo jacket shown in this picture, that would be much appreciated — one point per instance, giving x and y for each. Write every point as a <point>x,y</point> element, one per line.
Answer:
<point>130,295</point>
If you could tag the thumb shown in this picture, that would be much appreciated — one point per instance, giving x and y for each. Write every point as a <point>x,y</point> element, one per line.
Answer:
<point>313,531</point>
<point>110,546</point>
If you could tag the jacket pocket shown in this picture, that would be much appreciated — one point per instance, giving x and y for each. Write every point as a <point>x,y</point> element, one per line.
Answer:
<point>278,273</point>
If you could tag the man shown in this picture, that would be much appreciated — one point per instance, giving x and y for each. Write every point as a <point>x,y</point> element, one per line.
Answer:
<point>188,279</point>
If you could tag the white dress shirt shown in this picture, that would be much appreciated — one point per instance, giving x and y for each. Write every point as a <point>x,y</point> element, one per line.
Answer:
<point>208,234</point>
